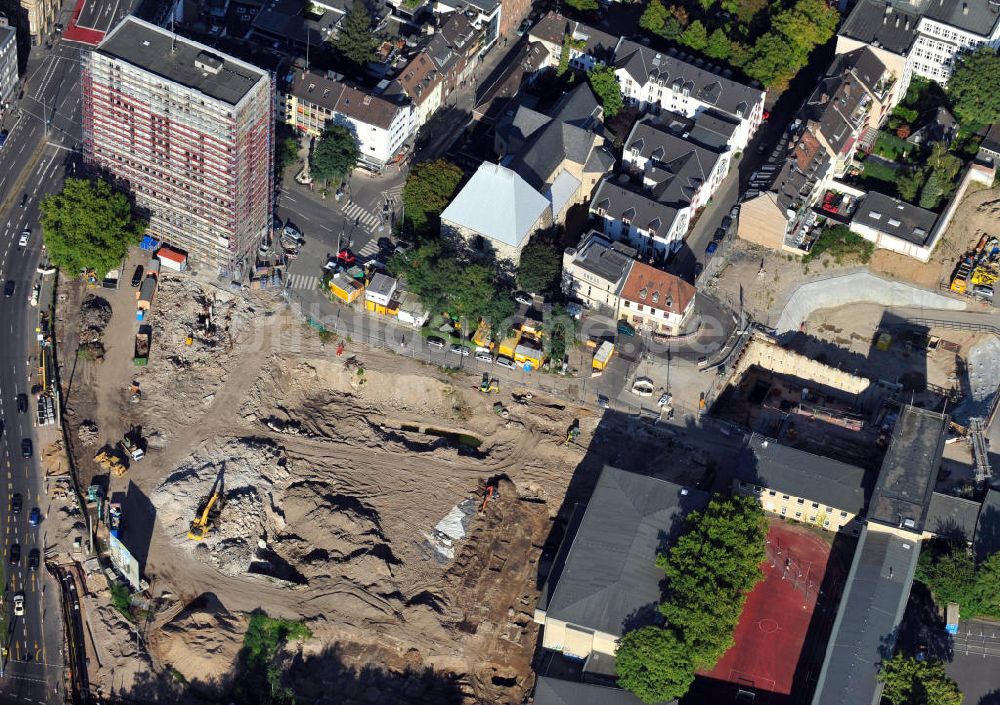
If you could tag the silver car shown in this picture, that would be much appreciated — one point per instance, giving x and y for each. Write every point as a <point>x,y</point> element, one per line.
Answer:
<point>506,362</point>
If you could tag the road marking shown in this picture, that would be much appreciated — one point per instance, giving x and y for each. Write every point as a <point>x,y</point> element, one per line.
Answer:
<point>302,281</point>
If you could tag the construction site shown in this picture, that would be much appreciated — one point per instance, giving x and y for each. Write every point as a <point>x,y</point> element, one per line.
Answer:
<point>233,460</point>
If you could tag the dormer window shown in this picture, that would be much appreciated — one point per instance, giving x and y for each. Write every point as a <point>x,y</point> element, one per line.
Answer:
<point>670,301</point>
<point>642,293</point>
<point>656,297</point>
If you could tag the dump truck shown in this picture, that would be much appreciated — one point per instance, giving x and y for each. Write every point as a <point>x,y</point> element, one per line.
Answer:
<point>960,282</point>
<point>141,356</point>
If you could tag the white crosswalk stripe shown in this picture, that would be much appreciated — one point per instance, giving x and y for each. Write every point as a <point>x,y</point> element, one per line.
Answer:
<point>370,248</point>
<point>363,217</point>
<point>303,281</point>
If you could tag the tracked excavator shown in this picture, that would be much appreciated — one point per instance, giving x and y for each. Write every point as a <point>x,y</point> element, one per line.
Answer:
<point>204,520</point>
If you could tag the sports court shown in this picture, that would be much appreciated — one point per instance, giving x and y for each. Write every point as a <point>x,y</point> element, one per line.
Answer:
<point>775,620</point>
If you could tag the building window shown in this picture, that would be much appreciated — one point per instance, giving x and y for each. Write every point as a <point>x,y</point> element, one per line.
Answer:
<point>815,505</point>
<point>829,509</point>
<point>812,518</point>
<point>784,510</point>
<point>800,501</point>
<point>784,497</point>
<point>798,515</point>
<point>628,305</point>
<point>772,493</point>
<point>843,515</point>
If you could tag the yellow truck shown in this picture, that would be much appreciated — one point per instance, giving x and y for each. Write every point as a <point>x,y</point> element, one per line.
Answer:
<point>603,355</point>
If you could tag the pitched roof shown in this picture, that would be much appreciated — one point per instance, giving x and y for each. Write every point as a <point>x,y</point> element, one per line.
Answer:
<point>952,517</point>
<point>419,77</point>
<point>329,93</point>
<point>992,139</point>
<point>626,201</point>
<point>657,289</point>
<point>555,691</point>
<point>882,25</point>
<point>977,17</point>
<point>553,27</point>
<point>602,257</point>
<point>863,63</point>
<point>795,472</point>
<point>910,467</point>
<point>894,217</point>
<point>987,539</point>
<point>643,63</point>
<point>498,204</point>
<point>681,166</point>
<point>610,569</point>
<point>870,610</point>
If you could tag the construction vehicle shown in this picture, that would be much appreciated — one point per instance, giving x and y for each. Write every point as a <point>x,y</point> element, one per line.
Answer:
<point>141,356</point>
<point>487,385</point>
<point>207,514</point>
<point>135,393</point>
<point>491,494</point>
<point>501,410</point>
<point>114,518</point>
<point>108,458</point>
<point>960,281</point>
<point>131,445</point>
<point>982,275</point>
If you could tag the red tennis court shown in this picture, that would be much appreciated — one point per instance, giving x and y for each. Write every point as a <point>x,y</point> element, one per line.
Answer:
<point>777,613</point>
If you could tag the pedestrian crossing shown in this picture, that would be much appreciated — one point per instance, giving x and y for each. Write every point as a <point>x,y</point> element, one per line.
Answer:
<point>370,248</point>
<point>357,214</point>
<point>302,281</point>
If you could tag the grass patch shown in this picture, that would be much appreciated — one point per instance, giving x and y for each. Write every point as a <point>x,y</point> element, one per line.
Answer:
<point>890,146</point>
<point>121,599</point>
<point>259,679</point>
<point>874,169</point>
<point>842,245</point>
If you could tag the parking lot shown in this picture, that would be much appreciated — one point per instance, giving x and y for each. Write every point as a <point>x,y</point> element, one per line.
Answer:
<point>975,663</point>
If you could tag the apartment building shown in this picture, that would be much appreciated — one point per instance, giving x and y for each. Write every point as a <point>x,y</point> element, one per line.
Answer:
<point>674,81</point>
<point>588,46</point>
<point>8,62</point>
<point>594,271</point>
<point>190,131</point>
<point>654,301</point>
<point>797,485</point>
<point>309,101</point>
<point>920,37</point>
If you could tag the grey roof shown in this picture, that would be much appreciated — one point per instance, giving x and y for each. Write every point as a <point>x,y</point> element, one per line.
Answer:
<point>610,576</point>
<point>906,480</point>
<point>837,108</point>
<point>804,165</point>
<point>869,613</point>
<point>875,21</point>
<point>894,217</point>
<point>517,126</point>
<point>381,284</point>
<point>976,16</point>
<point>498,204</point>
<point>554,691</point>
<point>553,27</point>
<point>795,472</point>
<point>626,201</point>
<point>681,166</point>
<point>987,539</point>
<point>952,517</point>
<point>7,33</point>
<point>725,94</point>
<point>863,63</point>
<point>599,256</point>
<point>173,57</point>
<point>992,140</point>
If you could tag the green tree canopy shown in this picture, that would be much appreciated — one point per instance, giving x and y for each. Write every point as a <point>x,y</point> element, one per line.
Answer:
<point>672,28</point>
<point>540,266</point>
<point>88,225</point>
<point>931,193</point>
<point>583,5</point>
<point>974,88</point>
<point>654,17</point>
<point>774,59</point>
<point>428,190</point>
<point>653,664</point>
<point>334,155</point>
<point>355,40</point>
<point>287,151</point>
<point>604,83</point>
<point>908,185</point>
<point>718,46</point>
<point>912,682</point>
<point>695,36</point>
<point>948,569</point>
<point>808,23</point>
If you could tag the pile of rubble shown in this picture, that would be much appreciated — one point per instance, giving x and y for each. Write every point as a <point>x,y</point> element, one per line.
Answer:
<point>95,314</point>
<point>87,432</point>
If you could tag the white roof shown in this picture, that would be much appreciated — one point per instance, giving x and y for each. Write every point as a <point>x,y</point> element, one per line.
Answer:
<point>498,204</point>
<point>562,189</point>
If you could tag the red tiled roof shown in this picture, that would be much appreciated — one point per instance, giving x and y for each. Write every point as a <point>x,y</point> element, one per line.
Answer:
<point>653,287</point>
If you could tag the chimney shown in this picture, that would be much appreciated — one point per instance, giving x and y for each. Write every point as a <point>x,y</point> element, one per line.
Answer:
<point>885,19</point>
<point>897,20</point>
<point>965,8</point>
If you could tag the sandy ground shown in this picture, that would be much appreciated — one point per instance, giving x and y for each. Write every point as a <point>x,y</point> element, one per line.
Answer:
<point>334,501</point>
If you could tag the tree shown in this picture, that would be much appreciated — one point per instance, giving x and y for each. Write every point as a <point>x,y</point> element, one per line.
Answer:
<point>653,664</point>
<point>654,17</point>
<point>672,28</point>
<point>986,591</point>
<point>540,266</point>
<point>583,5</point>
<point>808,23</point>
<point>930,194</point>
<point>974,88</point>
<point>334,155</point>
<point>908,185</point>
<point>903,131</point>
<point>355,40</point>
<point>287,152</point>
<point>774,59</point>
<point>604,83</point>
<point>89,226</point>
<point>718,46</point>
<point>908,681</point>
<point>429,188</point>
<point>695,36</point>
<point>739,54</point>
<point>706,5</point>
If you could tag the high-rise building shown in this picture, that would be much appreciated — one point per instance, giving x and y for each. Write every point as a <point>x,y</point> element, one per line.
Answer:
<point>8,62</point>
<point>190,131</point>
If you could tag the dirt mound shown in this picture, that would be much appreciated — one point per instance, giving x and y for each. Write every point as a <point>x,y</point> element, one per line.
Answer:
<point>95,314</point>
<point>202,643</point>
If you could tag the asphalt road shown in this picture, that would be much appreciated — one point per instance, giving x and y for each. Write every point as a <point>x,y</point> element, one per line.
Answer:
<point>41,149</point>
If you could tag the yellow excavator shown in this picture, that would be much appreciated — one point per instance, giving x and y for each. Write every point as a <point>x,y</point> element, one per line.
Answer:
<point>204,520</point>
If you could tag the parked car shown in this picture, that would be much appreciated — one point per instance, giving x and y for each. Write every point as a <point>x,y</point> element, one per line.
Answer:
<point>734,211</point>
<point>984,290</point>
<point>719,234</point>
<point>435,342</point>
<point>35,516</point>
<point>8,289</point>
<point>291,233</point>
<point>459,350</point>
<point>346,257</point>
<point>726,222</point>
<point>137,275</point>
<point>19,604</point>
<point>484,357</point>
<point>712,247</point>
<point>25,234</point>
<point>385,244</point>
<point>626,328</point>
<point>523,298</point>
<point>22,402</point>
<point>603,401</point>
<point>505,362</point>
<point>524,27</point>
<point>34,558</point>
<point>27,448</point>
<point>14,556</point>
<point>16,502</point>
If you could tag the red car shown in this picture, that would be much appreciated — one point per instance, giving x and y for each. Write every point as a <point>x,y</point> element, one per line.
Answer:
<point>346,257</point>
